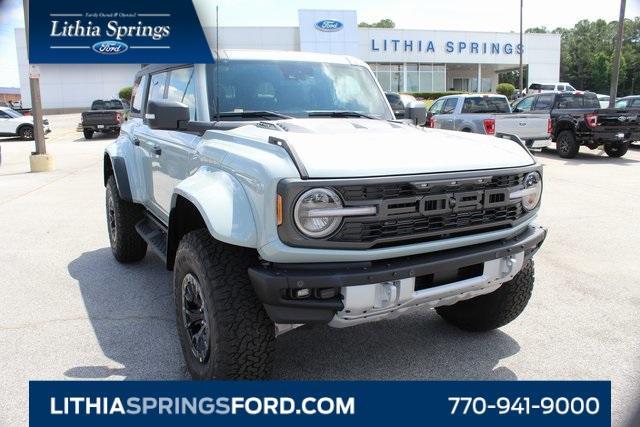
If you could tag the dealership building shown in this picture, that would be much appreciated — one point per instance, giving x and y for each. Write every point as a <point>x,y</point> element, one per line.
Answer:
<point>403,60</point>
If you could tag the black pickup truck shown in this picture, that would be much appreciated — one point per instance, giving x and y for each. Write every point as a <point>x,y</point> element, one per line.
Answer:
<point>104,116</point>
<point>577,119</point>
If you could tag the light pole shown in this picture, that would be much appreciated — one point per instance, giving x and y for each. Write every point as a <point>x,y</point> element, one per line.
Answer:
<point>615,71</point>
<point>39,161</point>
<point>521,75</point>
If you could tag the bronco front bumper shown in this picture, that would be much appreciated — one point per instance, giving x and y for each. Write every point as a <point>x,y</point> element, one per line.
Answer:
<point>344,294</point>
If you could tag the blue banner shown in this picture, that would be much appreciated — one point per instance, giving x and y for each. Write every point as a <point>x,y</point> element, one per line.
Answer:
<point>316,403</point>
<point>117,31</point>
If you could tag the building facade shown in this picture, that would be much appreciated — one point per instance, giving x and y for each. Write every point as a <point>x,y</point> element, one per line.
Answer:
<point>403,60</point>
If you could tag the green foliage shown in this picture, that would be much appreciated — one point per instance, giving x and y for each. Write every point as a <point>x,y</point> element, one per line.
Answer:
<point>541,29</point>
<point>433,95</point>
<point>587,52</point>
<point>506,89</point>
<point>383,23</point>
<point>125,93</point>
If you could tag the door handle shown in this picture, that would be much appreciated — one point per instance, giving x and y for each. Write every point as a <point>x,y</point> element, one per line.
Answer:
<point>157,150</point>
<point>135,141</point>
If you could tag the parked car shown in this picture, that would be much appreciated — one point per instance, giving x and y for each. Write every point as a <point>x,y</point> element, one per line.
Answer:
<point>603,100</point>
<point>488,114</point>
<point>105,116</point>
<point>308,207</point>
<point>16,106</point>
<point>12,123</point>
<point>632,101</point>
<point>577,119</point>
<point>400,101</point>
<point>550,87</point>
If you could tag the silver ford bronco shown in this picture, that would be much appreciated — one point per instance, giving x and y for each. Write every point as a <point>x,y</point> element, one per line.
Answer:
<point>280,190</point>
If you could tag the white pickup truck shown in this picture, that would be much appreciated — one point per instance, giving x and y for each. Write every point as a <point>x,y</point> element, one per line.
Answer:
<point>490,115</point>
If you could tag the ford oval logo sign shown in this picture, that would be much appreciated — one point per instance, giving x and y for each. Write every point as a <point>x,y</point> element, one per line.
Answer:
<point>329,25</point>
<point>110,47</point>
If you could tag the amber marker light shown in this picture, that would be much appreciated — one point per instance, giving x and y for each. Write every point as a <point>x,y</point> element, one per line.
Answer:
<point>279,209</point>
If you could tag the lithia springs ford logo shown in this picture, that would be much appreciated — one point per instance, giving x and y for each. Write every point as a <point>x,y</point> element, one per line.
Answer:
<point>329,25</point>
<point>110,47</point>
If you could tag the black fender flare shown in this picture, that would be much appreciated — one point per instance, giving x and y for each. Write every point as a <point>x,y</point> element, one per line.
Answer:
<point>116,165</point>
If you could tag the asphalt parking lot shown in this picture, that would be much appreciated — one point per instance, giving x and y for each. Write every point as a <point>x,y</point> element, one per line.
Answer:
<point>70,311</point>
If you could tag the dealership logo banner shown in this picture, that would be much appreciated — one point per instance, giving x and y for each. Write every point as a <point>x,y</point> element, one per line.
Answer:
<point>117,31</point>
<point>318,403</point>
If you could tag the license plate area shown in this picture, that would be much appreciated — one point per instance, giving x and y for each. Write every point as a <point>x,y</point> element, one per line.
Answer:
<point>444,277</point>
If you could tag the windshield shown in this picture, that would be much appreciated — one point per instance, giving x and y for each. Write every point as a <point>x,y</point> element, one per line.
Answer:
<point>294,88</point>
<point>12,113</point>
<point>114,104</point>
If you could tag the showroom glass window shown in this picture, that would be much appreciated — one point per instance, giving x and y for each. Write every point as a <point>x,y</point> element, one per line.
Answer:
<point>181,88</point>
<point>419,77</point>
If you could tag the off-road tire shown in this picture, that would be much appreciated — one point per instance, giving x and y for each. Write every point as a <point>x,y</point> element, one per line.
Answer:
<point>122,216</point>
<point>88,133</point>
<point>26,133</point>
<point>491,311</point>
<point>241,334</point>
<point>566,144</point>
<point>616,150</point>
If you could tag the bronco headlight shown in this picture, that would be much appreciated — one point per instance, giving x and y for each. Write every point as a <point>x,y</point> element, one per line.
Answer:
<point>531,192</point>
<point>317,212</point>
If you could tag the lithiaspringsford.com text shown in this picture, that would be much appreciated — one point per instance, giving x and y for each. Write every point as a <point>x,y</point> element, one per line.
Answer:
<point>221,405</point>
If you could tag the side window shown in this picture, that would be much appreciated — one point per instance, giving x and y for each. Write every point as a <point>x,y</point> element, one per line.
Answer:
<point>561,88</point>
<point>436,108</point>
<point>181,88</point>
<point>449,106</point>
<point>4,115</point>
<point>569,102</point>
<point>590,101</point>
<point>635,103</point>
<point>525,104</point>
<point>544,103</point>
<point>157,86</point>
<point>571,88</point>
<point>137,93</point>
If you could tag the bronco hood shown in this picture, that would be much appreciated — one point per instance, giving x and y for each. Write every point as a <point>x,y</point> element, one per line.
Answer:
<point>341,148</point>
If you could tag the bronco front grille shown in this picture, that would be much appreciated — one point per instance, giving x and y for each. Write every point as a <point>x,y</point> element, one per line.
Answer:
<point>413,210</point>
<point>438,226</point>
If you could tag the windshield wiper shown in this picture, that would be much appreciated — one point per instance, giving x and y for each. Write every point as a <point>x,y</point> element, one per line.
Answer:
<point>251,114</point>
<point>339,113</point>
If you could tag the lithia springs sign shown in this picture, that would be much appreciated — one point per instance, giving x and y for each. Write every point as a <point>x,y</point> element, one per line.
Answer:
<point>428,46</point>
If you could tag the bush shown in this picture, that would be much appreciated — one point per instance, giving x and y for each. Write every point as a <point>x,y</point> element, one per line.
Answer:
<point>433,95</point>
<point>506,89</point>
<point>125,93</point>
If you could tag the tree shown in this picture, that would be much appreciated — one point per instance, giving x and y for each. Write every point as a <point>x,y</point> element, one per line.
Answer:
<point>541,29</point>
<point>586,52</point>
<point>383,23</point>
<point>125,93</point>
<point>506,89</point>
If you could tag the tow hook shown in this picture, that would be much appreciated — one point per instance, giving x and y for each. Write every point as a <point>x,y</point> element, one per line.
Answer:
<point>509,263</point>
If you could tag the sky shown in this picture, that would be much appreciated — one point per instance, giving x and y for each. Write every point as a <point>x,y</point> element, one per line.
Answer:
<point>471,15</point>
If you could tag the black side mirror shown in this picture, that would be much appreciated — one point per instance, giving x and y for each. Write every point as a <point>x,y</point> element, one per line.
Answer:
<point>166,115</point>
<point>416,112</point>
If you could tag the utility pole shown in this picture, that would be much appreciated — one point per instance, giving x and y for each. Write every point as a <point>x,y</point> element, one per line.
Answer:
<point>521,72</point>
<point>40,161</point>
<point>613,93</point>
